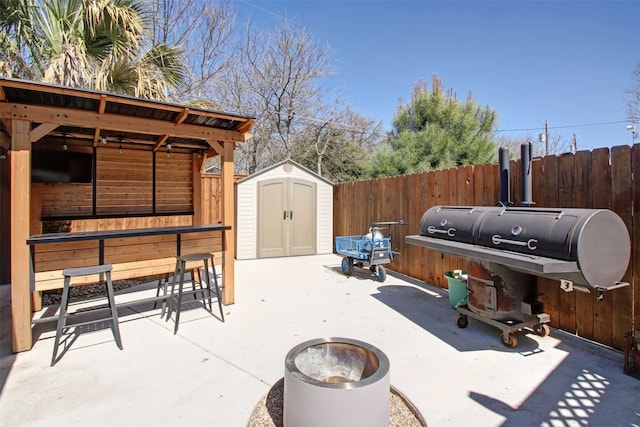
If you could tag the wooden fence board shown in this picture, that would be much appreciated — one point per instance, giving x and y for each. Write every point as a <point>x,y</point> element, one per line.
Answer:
<point>566,192</point>
<point>398,233</point>
<point>439,199</point>
<point>583,199</point>
<point>549,289</point>
<point>479,198</point>
<point>515,178</point>
<point>622,191</point>
<point>411,254</point>
<point>490,185</point>
<point>449,180</point>
<point>601,184</point>
<point>635,238</point>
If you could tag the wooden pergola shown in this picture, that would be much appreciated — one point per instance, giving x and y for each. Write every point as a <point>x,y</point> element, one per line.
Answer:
<point>83,120</point>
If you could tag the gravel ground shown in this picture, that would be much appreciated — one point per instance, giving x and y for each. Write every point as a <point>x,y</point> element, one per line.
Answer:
<point>268,412</point>
<point>77,293</point>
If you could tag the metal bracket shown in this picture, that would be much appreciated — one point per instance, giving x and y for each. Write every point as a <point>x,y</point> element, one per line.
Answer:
<point>602,290</point>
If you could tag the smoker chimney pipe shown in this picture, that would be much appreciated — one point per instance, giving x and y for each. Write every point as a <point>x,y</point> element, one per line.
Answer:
<point>503,156</point>
<point>525,152</point>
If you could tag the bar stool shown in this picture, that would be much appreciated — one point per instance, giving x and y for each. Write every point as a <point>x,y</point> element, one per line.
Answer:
<point>175,300</point>
<point>64,304</point>
<point>163,284</point>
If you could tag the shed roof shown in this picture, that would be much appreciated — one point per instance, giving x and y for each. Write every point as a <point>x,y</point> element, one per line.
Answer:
<point>286,161</point>
<point>84,117</point>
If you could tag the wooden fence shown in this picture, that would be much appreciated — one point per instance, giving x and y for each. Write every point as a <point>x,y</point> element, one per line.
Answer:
<point>602,178</point>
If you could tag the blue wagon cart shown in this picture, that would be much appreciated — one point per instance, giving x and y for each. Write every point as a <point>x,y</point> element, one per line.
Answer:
<point>371,250</point>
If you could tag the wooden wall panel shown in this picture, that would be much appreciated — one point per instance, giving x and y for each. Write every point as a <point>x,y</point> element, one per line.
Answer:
<point>174,182</point>
<point>124,185</point>
<point>130,223</point>
<point>66,199</point>
<point>123,181</point>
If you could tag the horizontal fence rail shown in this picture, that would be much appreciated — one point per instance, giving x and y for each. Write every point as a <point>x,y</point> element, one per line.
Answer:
<point>602,178</point>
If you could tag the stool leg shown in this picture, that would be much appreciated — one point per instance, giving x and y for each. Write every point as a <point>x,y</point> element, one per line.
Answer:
<point>193,275</point>
<point>173,286</point>
<point>193,283</point>
<point>62,318</point>
<point>164,283</point>
<point>208,278</point>
<point>114,311</point>
<point>183,265</point>
<point>215,283</point>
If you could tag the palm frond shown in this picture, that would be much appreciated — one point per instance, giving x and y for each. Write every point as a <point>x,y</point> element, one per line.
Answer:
<point>167,61</point>
<point>118,21</point>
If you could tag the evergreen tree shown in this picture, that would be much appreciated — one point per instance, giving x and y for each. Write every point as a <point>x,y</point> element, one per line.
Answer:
<point>436,131</point>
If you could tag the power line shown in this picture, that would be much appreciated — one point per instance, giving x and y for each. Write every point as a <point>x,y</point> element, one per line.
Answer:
<point>564,127</point>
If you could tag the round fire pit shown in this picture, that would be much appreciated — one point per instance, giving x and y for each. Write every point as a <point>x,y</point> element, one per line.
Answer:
<point>337,382</point>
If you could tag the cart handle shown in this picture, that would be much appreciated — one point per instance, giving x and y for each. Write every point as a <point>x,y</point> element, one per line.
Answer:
<point>401,222</point>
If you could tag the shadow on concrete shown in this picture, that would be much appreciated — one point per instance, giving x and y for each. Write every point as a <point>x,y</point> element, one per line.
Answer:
<point>428,307</point>
<point>358,273</point>
<point>576,393</point>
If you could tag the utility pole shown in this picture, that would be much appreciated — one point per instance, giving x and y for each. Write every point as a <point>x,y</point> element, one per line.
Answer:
<point>574,144</point>
<point>546,137</point>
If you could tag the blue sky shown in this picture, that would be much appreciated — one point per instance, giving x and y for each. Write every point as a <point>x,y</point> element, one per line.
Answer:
<point>565,61</point>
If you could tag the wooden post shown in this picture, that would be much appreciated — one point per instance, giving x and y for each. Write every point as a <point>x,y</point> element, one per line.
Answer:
<point>197,191</point>
<point>20,221</point>
<point>228,218</point>
<point>35,227</point>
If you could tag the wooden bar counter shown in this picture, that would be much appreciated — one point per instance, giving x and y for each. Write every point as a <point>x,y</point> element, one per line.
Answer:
<point>133,253</point>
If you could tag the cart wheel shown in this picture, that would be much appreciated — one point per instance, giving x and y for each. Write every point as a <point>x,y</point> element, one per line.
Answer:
<point>347,266</point>
<point>462,321</point>
<point>381,273</point>
<point>541,330</point>
<point>511,341</point>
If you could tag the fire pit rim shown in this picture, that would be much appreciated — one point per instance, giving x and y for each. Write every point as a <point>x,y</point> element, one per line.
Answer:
<point>381,372</point>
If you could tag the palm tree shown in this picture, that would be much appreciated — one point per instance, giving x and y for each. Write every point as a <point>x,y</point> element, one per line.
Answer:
<point>96,44</point>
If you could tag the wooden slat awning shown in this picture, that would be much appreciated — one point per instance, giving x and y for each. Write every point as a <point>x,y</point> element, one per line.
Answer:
<point>88,118</point>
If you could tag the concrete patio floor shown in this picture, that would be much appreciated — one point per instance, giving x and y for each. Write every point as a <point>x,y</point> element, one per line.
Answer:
<point>214,373</point>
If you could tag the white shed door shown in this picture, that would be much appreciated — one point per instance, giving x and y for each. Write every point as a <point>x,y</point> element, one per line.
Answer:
<point>286,218</point>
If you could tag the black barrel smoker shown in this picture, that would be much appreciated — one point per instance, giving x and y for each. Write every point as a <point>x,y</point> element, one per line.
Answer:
<point>507,247</point>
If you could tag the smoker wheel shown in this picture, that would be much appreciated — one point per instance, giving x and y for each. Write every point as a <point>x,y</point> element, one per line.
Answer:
<point>462,321</point>
<point>347,266</point>
<point>381,273</point>
<point>511,341</point>
<point>541,330</point>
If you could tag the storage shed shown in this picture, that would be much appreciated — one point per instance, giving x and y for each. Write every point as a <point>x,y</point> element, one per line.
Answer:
<point>284,210</point>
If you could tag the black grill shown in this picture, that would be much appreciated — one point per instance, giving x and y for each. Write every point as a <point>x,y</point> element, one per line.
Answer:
<point>586,246</point>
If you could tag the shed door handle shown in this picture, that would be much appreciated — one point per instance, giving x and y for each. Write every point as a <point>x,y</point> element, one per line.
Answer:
<point>285,215</point>
<point>290,214</point>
